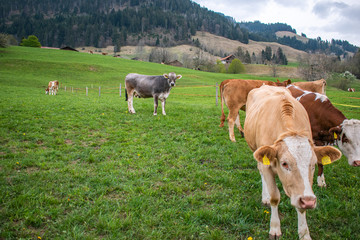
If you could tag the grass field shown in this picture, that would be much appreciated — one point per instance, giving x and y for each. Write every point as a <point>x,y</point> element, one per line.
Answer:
<point>80,167</point>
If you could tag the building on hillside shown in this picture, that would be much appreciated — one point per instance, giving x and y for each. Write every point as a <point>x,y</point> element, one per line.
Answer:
<point>175,63</point>
<point>69,49</point>
<point>227,59</point>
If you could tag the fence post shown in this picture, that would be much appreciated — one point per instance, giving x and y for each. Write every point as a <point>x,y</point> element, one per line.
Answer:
<point>120,90</point>
<point>217,94</point>
<point>86,91</point>
<point>99,91</point>
<point>65,88</point>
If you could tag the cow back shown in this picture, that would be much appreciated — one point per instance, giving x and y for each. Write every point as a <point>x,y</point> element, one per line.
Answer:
<point>271,112</point>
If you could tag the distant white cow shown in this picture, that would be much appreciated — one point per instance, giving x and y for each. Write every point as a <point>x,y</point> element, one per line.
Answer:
<point>52,88</point>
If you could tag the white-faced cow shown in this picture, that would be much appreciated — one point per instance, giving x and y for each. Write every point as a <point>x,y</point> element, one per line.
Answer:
<point>329,126</point>
<point>144,86</point>
<point>53,87</point>
<point>277,129</point>
<point>233,92</point>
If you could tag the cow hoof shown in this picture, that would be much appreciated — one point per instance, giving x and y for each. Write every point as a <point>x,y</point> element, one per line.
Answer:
<point>266,203</point>
<point>274,236</point>
<point>233,140</point>
<point>155,114</point>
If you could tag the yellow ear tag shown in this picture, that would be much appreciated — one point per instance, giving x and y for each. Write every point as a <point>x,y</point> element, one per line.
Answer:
<point>325,160</point>
<point>335,135</point>
<point>266,161</point>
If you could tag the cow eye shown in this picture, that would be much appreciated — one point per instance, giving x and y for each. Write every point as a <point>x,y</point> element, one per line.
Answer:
<point>285,165</point>
<point>344,139</point>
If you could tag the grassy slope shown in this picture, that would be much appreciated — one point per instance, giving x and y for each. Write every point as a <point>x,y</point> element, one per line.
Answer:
<point>82,167</point>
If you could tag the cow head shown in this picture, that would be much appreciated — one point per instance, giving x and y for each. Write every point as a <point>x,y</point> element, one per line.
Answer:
<point>283,84</point>
<point>172,77</point>
<point>293,158</point>
<point>347,138</point>
<point>47,90</point>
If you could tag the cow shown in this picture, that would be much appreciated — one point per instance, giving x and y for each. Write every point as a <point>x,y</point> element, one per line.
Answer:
<point>53,87</point>
<point>329,126</point>
<point>278,131</point>
<point>145,86</point>
<point>234,93</point>
<point>318,86</point>
<point>351,89</point>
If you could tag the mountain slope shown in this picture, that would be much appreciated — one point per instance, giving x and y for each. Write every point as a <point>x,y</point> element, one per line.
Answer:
<point>165,23</point>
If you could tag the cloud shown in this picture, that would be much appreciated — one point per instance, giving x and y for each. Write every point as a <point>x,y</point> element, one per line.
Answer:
<point>325,9</point>
<point>338,19</point>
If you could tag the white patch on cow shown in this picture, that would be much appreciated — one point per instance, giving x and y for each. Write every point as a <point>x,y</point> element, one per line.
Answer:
<point>164,95</point>
<point>300,149</point>
<point>351,148</point>
<point>319,96</point>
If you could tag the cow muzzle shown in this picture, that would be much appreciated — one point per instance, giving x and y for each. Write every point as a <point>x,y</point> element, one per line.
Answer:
<point>307,202</point>
<point>356,163</point>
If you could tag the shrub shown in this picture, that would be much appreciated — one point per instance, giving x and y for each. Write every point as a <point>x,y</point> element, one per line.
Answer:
<point>236,66</point>
<point>341,80</point>
<point>3,40</point>
<point>31,41</point>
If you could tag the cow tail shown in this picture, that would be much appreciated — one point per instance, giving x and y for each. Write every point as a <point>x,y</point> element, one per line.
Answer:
<point>126,96</point>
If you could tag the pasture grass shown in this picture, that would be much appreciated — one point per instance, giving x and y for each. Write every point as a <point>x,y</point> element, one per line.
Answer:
<point>81,167</point>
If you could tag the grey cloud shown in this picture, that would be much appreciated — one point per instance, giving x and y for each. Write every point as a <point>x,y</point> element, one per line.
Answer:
<point>325,8</point>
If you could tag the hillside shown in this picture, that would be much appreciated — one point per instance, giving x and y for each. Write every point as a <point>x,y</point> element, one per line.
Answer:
<point>164,23</point>
<point>81,167</point>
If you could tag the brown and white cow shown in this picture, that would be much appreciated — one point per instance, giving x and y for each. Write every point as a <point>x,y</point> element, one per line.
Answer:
<point>329,126</point>
<point>351,89</point>
<point>53,87</point>
<point>318,86</point>
<point>278,131</point>
<point>233,92</point>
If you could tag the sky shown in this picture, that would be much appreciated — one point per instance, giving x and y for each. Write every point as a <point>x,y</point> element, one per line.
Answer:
<point>327,19</point>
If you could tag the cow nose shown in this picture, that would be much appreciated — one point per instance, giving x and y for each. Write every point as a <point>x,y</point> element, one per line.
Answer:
<point>172,84</point>
<point>356,163</point>
<point>307,202</point>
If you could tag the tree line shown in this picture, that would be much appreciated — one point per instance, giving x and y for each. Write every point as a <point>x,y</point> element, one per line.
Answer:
<point>100,23</point>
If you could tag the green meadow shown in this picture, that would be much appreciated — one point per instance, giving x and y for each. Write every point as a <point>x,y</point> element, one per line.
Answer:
<point>81,167</point>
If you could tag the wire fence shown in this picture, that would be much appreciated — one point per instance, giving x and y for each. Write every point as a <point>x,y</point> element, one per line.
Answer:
<point>118,90</point>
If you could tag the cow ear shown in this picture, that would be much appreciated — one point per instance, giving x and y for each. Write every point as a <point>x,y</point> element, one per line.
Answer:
<point>165,75</point>
<point>335,132</point>
<point>265,155</point>
<point>326,155</point>
<point>178,76</point>
<point>288,82</point>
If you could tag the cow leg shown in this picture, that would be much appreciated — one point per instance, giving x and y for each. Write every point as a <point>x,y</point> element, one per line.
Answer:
<point>163,101</point>
<point>156,100</point>
<point>238,125</point>
<point>303,229</point>
<point>268,178</point>
<point>130,101</point>
<point>321,178</point>
<point>233,114</point>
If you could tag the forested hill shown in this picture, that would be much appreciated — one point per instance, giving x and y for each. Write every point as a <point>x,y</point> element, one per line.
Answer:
<point>100,23</point>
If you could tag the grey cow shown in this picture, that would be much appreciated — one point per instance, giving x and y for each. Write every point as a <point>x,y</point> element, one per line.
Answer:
<point>145,86</point>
